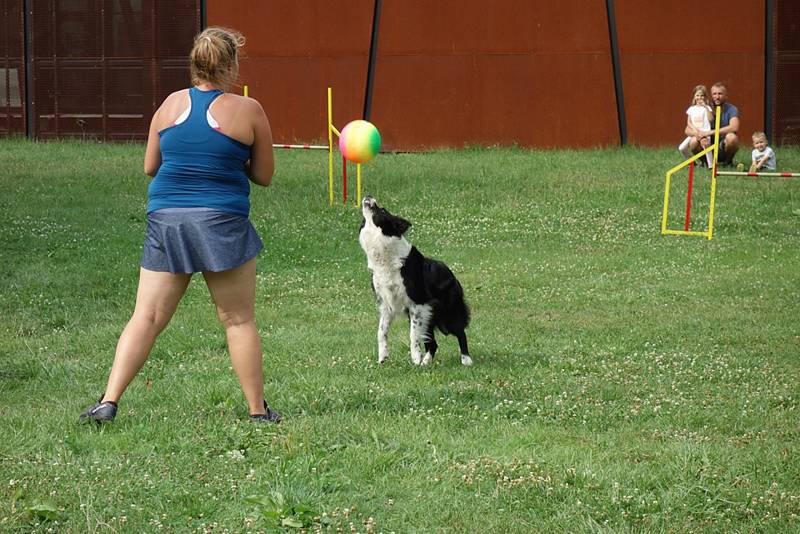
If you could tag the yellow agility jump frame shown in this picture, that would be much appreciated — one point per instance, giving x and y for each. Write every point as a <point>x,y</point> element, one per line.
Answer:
<point>715,149</point>
<point>331,131</point>
<point>714,173</point>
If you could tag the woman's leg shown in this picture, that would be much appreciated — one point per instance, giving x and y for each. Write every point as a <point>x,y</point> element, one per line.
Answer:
<point>156,300</point>
<point>234,293</point>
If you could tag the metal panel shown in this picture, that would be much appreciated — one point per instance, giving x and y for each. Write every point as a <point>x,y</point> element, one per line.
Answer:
<point>294,51</point>
<point>662,62</point>
<point>102,67</point>
<point>297,110</point>
<point>494,100</point>
<point>448,73</point>
<point>786,118</point>
<point>522,73</point>
<point>312,28</point>
<point>12,68</point>
<point>788,31</point>
<point>455,27</point>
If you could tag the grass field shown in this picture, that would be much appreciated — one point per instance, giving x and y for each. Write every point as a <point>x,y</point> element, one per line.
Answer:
<point>623,381</point>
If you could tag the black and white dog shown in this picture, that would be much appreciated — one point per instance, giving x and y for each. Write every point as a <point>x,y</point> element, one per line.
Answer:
<point>406,281</point>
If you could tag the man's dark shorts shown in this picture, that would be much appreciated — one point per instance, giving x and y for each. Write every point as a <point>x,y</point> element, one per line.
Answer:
<point>721,154</point>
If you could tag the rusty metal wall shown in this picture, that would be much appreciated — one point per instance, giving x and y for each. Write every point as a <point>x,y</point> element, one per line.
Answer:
<point>448,73</point>
<point>786,110</point>
<point>455,73</point>
<point>294,51</point>
<point>670,47</point>
<point>12,69</point>
<point>521,72</point>
<point>102,67</point>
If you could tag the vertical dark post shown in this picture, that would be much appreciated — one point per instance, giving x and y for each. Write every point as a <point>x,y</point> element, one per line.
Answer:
<point>769,68</point>
<point>104,66</point>
<point>56,51</point>
<point>373,53</point>
<point>27,51</point>
<point>612,34</point>
<point>155,65</point>
<point>203,15</point>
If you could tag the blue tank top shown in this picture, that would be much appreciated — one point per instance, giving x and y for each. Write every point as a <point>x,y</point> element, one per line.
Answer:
<point>200,166</point>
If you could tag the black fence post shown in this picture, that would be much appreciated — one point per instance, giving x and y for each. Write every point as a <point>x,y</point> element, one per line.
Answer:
<point>612,34</point>
<point>373,54</point>
<point>27,51</point>
<point>769,68</point>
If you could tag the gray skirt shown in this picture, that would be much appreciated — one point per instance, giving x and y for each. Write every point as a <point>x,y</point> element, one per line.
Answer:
<point>193,240</point>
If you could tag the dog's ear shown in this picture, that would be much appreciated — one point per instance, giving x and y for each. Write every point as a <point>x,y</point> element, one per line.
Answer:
<point>401,225</point>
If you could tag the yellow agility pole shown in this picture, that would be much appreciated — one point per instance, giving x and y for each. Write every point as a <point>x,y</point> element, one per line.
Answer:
<point>358,184</point>
<point>714,173</point>
<point>330,147</point>
<point>715,149</point>
<point>331,132</point>
<point>245,91</point>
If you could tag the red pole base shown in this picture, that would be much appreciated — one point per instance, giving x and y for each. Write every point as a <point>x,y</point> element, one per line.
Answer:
<point>344,180</point>
<point>689,197</point>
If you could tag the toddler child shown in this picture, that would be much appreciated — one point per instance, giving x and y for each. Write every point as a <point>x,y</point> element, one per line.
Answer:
<point>763,156</point>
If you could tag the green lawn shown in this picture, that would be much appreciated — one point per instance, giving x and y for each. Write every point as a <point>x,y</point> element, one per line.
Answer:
<point>623,381</point>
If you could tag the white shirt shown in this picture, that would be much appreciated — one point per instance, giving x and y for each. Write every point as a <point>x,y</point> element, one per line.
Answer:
<point>698,115</point>
<point>770,163</point>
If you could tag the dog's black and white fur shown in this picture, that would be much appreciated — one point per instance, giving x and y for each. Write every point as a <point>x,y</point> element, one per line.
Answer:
<point>406,281</point>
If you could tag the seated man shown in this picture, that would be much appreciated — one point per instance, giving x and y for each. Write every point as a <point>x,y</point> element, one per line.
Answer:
<point>728,125</point>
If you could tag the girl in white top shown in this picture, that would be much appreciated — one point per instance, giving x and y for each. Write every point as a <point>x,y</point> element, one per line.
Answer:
<point>698,123</point>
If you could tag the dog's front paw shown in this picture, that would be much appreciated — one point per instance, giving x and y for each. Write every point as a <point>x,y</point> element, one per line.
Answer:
<point>466,360</point>
<point>382,355</point>
<point>416,359</point>
<point>427,359</point>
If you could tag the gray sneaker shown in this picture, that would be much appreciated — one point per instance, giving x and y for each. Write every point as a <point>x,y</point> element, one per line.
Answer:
<point>100,412</point>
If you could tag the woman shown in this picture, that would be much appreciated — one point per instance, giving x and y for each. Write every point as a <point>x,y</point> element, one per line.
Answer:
<point>203,147</point>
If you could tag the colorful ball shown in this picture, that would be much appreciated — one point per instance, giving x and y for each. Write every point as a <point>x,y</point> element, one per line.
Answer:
<point>359,141</point>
